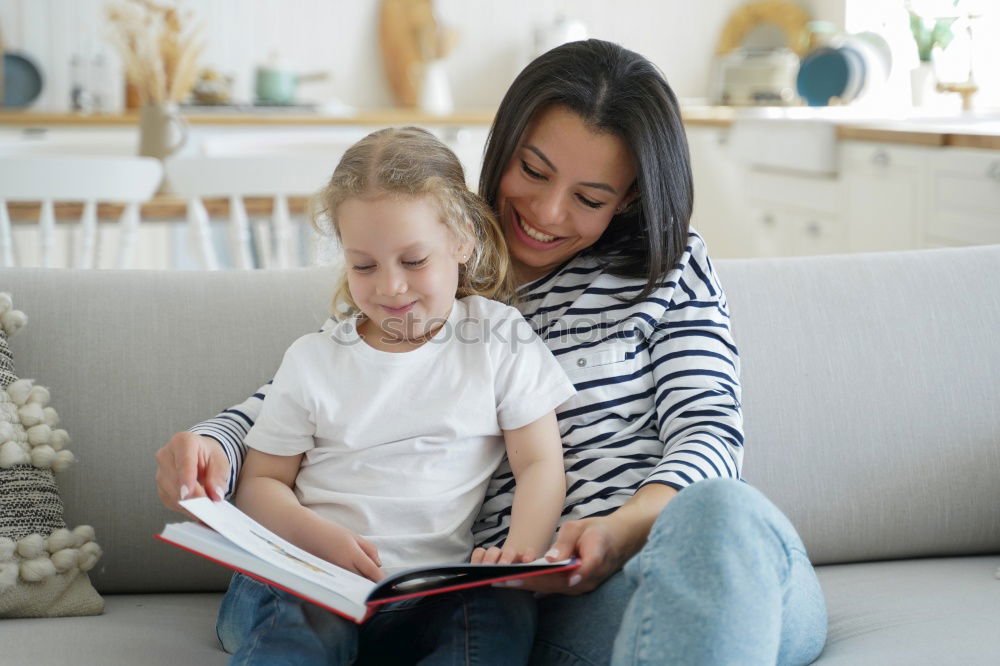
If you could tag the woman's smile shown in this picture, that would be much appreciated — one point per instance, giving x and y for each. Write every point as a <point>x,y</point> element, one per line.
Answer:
<point>532,236</point>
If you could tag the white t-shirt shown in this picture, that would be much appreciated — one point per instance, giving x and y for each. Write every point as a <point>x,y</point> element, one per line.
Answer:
<point>399,447</point>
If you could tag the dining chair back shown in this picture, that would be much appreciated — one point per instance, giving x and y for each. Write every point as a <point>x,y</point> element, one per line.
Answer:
<point>277,177</point>
<point>90,180</point>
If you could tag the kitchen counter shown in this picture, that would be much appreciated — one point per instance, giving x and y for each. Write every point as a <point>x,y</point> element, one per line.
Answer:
<point>982,131</point>
<point>289,117</point>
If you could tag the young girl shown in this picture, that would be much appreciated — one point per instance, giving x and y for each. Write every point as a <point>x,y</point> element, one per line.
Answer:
<point>379,436</point>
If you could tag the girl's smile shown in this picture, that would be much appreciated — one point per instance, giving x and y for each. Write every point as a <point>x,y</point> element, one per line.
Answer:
<point>402,267</point>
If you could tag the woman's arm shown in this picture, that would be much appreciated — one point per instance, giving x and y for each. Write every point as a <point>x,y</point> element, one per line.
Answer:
<point>535,454</point>
<point>266,494</point>
<point>205,460</point>
<point>695,372</point>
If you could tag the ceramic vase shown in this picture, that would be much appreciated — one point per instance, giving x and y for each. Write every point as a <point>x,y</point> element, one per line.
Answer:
<point>922,84</point>
<point>162,130</point>
<point>435,92</point>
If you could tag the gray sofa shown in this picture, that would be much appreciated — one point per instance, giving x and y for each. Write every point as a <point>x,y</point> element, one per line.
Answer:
<point>872,405</point>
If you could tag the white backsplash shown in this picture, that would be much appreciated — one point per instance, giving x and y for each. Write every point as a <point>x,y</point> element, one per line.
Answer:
<point>341,36</point>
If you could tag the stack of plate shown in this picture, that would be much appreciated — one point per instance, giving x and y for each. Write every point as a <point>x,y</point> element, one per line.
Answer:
<point>22,80</point>
<point>843,74</point>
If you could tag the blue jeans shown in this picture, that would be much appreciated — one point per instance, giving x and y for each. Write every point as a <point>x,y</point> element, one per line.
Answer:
<point>723,579</point>
<point>260,624</point>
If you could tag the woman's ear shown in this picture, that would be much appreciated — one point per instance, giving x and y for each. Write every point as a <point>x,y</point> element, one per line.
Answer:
<point>630,198</point>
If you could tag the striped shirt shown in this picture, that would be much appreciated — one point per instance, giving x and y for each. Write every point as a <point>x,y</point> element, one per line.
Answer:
<point>658,390</point>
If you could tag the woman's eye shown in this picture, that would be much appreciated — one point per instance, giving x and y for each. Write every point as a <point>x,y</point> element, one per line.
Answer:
<point>589,203</point>
<point>415,264</point>
<point>531,172</point>
<point>363,269</point>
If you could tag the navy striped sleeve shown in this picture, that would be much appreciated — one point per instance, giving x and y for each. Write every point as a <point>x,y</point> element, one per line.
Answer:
<point>696,376</point>
<point>230,428</point>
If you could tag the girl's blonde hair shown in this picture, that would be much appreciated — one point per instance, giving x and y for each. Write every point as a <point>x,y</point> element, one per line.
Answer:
<point>412,162</point>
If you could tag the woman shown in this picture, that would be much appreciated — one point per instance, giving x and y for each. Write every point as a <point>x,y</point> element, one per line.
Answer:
<point>587,167</point>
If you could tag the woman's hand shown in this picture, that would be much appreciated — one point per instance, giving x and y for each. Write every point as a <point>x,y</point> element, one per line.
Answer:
<point>602,544</point>
<point>190,465</point>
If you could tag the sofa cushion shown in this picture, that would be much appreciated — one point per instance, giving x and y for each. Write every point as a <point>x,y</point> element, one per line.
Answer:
<point>870,386</point>
<point>154,629</point>
<point>43,565</point>
<point>912,612</point>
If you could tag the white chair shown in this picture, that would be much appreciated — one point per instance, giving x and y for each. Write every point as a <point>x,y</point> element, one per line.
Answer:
<point>128,180</point>
<point>243,143</point>
<point>275,176</point>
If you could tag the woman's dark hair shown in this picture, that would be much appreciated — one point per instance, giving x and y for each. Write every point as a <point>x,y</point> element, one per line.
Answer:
<point>617,91</point>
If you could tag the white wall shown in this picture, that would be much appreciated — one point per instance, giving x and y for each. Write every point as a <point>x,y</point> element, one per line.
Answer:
<point>341,36</point>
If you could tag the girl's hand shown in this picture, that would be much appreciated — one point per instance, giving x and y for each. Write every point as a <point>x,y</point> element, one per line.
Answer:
<point>602,546</point>
<point>505,555</point>
<point>352,552</point>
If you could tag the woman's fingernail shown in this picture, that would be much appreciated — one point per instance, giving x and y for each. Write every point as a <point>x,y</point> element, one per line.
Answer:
<point>552,553</point>
<point>574,579</point>
<point>184,492</point>
<point>220,493</point>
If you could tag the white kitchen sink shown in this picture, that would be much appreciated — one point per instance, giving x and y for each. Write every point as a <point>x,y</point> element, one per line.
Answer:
<point>806,145</point>
<point>804,139</point>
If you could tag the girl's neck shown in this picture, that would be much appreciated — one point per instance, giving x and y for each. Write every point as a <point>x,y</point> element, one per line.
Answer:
<point>379,339</point>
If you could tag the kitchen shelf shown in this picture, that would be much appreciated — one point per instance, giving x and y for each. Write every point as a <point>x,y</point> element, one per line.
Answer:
<point>373,117</point>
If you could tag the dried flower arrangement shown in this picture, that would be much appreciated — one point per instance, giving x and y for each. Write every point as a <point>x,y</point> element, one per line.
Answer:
<point>160,56</point>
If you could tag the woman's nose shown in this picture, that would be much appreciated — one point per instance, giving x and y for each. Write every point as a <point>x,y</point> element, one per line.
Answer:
<point>549,207</point>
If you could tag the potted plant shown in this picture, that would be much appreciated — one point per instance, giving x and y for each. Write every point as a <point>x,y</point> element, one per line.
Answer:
<point>931,26</point>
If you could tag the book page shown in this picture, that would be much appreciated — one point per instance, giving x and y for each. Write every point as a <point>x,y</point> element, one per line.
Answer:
<point>253,537</point>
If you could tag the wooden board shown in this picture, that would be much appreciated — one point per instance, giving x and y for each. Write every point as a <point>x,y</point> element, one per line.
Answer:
<point>403,27</point>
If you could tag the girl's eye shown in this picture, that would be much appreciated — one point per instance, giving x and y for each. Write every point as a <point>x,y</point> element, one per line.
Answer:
<point>415,264</point>
<point>588,203</point>
<point>530,172</point>
<point>363,269</point>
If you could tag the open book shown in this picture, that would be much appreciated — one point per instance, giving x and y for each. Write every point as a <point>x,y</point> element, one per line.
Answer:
<point>239,542</point>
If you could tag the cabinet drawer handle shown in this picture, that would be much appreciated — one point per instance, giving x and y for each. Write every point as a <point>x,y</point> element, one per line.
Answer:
<point>880,158</point>
<point>768,220</point>
<point>814,229</point>
<point>994,171</point>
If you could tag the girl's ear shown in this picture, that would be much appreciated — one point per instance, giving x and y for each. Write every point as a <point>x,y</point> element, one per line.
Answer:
<point>463,251</point>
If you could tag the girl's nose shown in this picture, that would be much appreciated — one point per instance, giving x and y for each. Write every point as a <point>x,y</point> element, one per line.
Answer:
<point>393,282</point>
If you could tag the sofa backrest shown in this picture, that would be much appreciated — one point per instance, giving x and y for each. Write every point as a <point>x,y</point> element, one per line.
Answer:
<point>871,396</point>
<point>131,357</point>
<point>870,393</point>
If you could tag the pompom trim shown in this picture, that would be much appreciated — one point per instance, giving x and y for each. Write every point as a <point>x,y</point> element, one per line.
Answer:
<point>35,558</point>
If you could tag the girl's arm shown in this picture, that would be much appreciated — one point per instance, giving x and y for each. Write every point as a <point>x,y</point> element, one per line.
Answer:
<point>536,458</point>
<point>266,494</point>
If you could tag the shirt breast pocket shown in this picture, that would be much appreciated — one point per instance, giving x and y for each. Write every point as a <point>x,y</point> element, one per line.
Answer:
<point>603,360</point>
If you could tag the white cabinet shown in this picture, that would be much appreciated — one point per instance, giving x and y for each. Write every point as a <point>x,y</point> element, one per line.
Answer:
<point>792,214</point>
<point>885,194</point>
<point>963,198</point>
<point>718,198</point>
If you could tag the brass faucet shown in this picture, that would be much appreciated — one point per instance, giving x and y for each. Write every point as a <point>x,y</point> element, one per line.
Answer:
<point>966,90</point>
